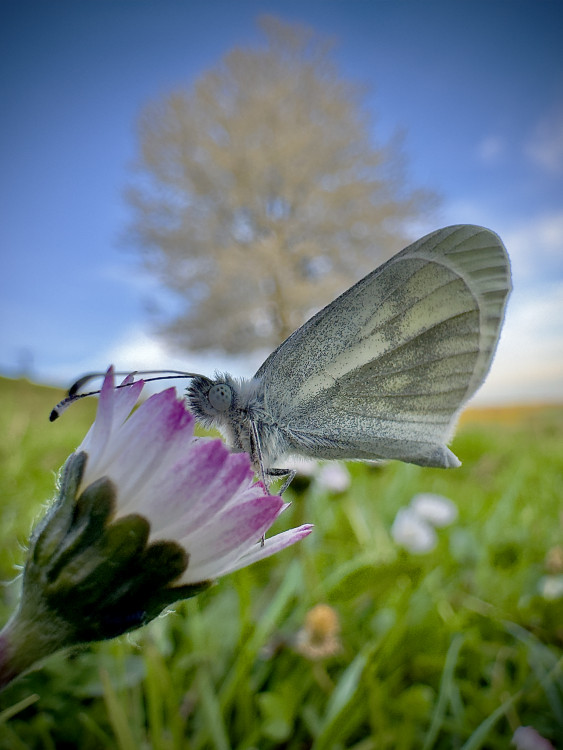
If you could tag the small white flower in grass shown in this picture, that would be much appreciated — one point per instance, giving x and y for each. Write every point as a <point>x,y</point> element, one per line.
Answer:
<point>551,587</point>
<point>333,477</point>
<point>436,509</point>
<point>414,525</point>
<point>412,532</point>
<point>147,514</point>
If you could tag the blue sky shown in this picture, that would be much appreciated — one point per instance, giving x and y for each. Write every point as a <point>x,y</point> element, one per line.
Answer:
<point>477,87</point>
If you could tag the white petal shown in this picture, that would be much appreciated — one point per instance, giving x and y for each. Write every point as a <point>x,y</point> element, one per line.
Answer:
<point>231,484</point>
<point>97,438</point>
<point>125,400</point>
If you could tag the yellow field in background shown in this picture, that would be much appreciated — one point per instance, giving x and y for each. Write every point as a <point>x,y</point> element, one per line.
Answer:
<point>509,414</point>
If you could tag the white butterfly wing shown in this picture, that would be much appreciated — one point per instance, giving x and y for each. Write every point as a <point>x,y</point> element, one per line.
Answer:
<point>383,371</point>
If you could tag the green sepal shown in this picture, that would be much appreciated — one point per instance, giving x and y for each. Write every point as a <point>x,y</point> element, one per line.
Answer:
<point>90,516</point>
<point>165,597</point>
<point>129,604</point>
<point>50,533</point>
<point>131,613</point>
<point>110,557</point>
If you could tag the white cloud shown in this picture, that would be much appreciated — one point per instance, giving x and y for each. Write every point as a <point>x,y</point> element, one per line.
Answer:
<point>134,349</point>
<point>470,211</point>
<point>534,244</point>
<point>536,247</point>
<point>128,274</point>
<point>528,366</point>
<point>139,350</point>
<point>545,147</point>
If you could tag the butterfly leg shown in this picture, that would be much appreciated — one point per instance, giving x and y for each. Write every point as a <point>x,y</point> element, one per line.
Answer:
<point>267,474</point>
<point>256,455</point>
<point>288,473</point>
<point>258,462</point>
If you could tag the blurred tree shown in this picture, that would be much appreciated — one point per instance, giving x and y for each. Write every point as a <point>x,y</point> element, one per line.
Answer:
<point>260,195</point>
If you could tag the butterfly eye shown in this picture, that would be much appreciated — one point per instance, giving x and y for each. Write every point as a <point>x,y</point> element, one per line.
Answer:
<point>220,396</point>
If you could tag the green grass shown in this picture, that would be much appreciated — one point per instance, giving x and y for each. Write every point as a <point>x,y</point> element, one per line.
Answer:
<point>453,649</point>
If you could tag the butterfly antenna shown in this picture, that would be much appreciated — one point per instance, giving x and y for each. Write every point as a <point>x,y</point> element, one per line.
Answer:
<point>74,395</point>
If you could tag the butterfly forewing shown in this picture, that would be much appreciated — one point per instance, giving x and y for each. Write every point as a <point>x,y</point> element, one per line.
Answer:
<point>383,370</point>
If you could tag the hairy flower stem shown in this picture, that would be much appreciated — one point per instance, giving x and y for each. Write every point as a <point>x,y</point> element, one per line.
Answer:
<point>26,639</point>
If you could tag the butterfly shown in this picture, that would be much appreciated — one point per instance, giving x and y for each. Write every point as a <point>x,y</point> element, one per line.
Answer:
<point>382,372</point>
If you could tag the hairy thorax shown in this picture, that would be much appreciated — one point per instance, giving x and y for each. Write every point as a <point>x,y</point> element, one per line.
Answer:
<point>236,408</point>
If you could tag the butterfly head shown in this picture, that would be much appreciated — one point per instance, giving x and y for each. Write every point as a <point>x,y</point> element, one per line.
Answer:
<point>209,400</point>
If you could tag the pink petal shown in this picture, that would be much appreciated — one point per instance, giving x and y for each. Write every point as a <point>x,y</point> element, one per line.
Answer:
<point>272,545</point>
<point>161,416</point>
<point>221,493</point>
<point>233,529</point>
<point>185,489</point>
<point>257,552</point>
<point>158,431</point>
<point>187,527</point>
<point>528,738</point>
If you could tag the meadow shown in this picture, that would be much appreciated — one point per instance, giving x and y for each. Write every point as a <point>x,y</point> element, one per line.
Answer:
<point>454,648</point>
